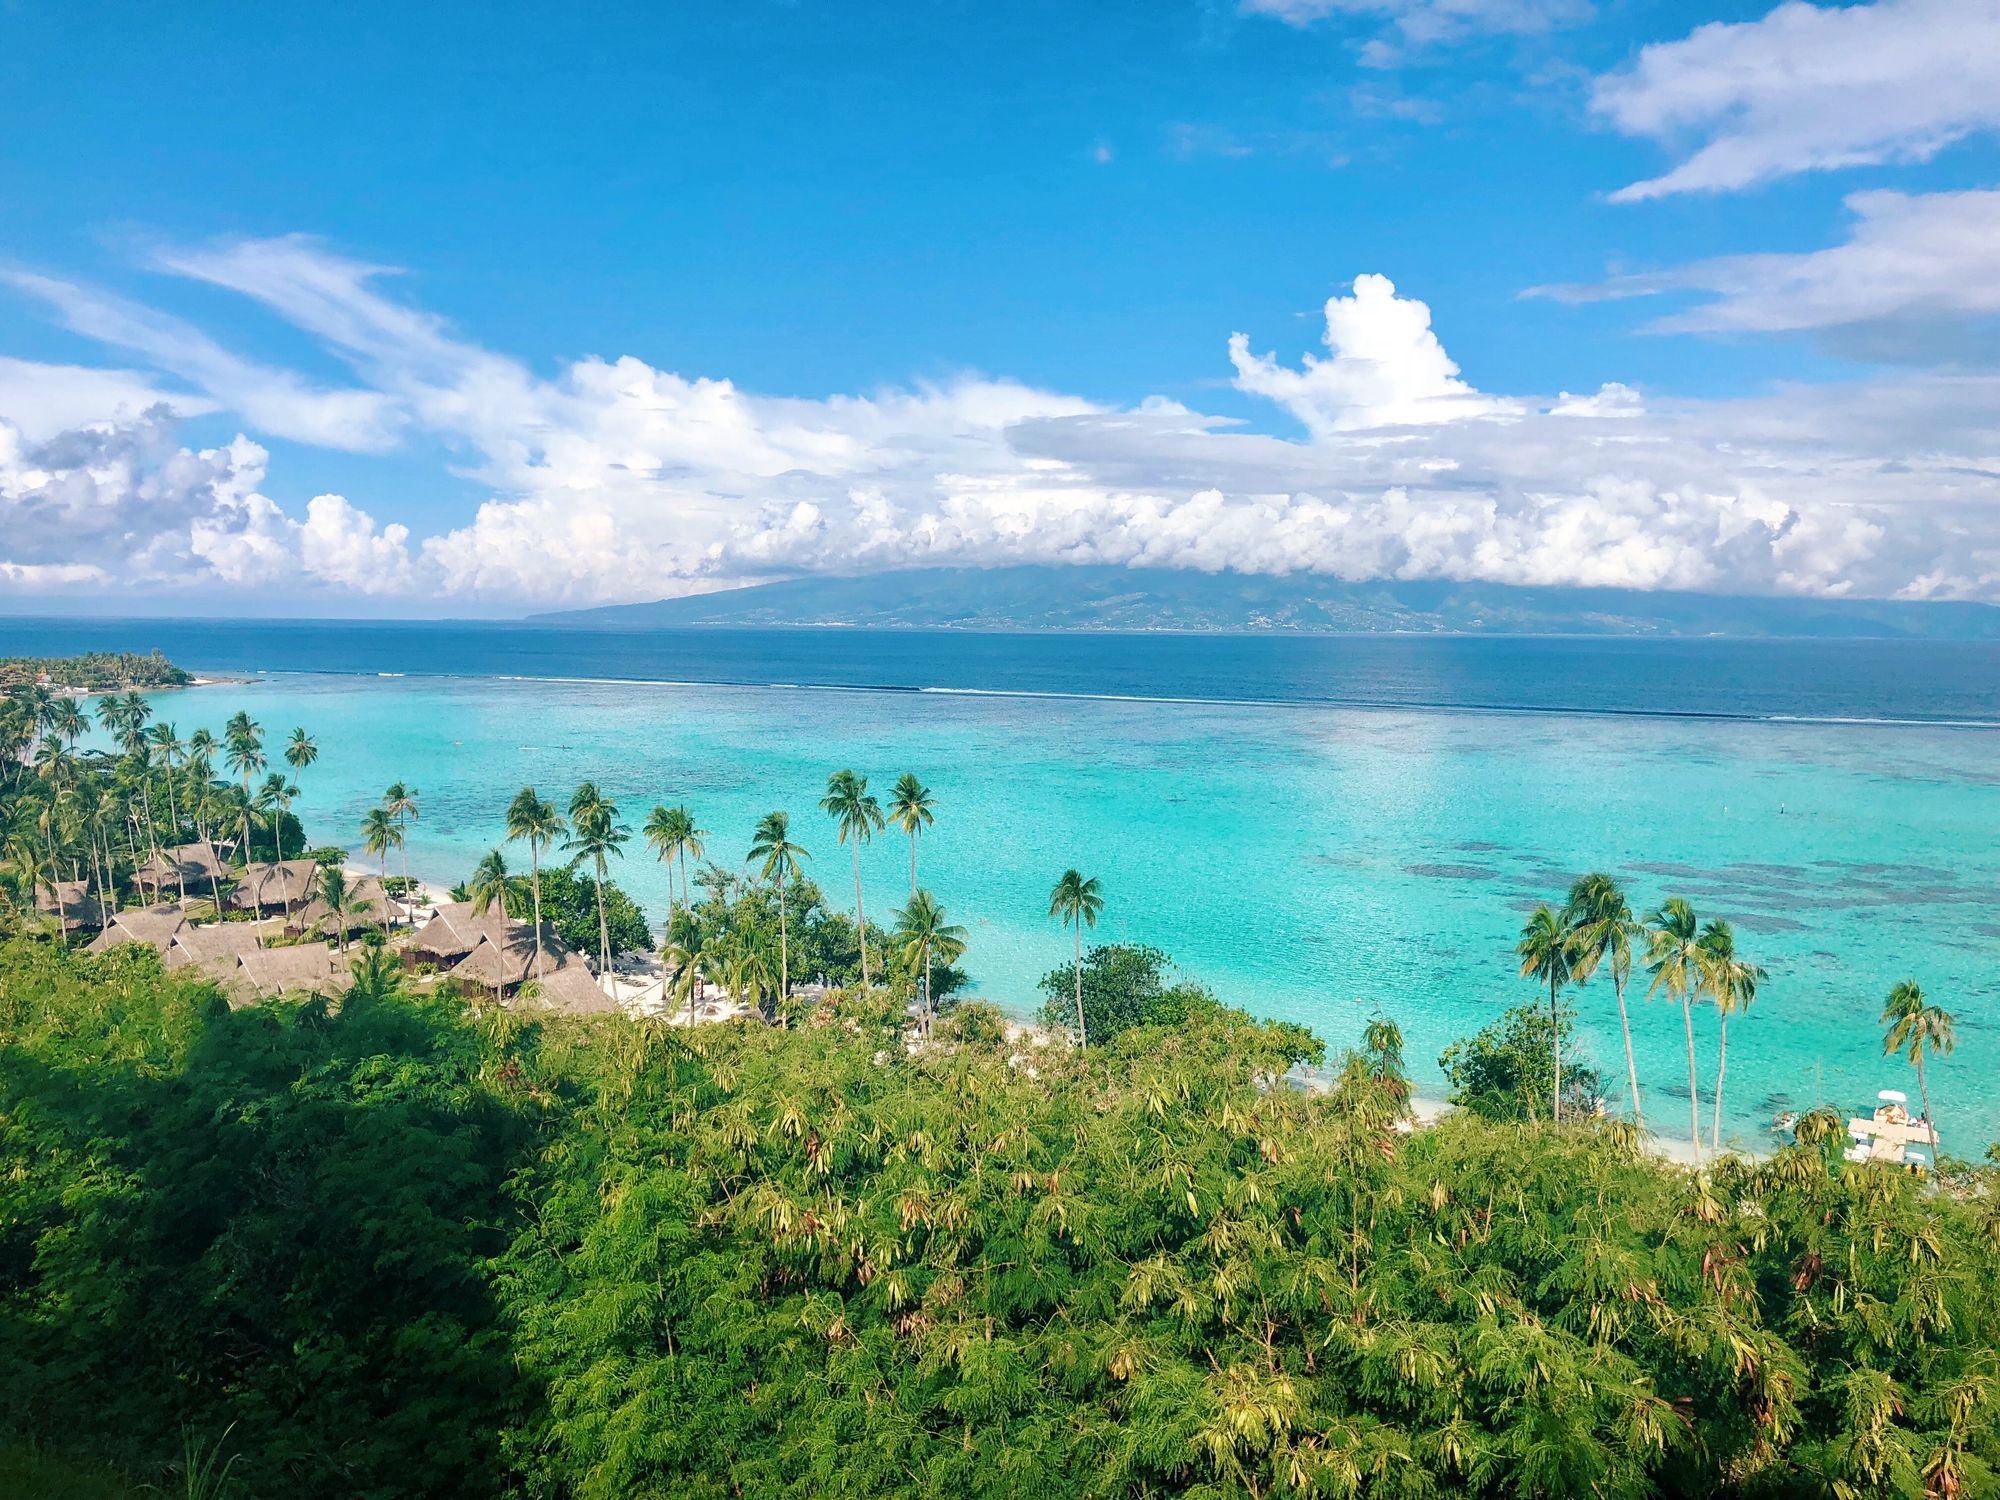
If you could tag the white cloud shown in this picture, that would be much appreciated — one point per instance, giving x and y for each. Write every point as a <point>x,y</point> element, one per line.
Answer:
<point>41,400</point>
<point>1423,21</point>
<point>1924,261</point>
<point>1388,368</point>
<point>609,479</point>
<point>1810,88</point>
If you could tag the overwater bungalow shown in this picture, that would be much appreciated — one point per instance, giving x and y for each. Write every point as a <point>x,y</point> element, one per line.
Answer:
<point>196,866</point>
<point>155,926</point>
<point>283,885</point>
<point>71,903</point>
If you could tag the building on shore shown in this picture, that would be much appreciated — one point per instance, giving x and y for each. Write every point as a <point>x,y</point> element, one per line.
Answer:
<point>71,903</point>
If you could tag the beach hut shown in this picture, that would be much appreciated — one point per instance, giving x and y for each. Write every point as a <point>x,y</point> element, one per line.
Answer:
<point>503,958</point>
<point>72,903</point>
<point>453,931</point>
<point>369,908</point>
<point>572,989</point>
<point>155,926</point>
<point>309,968</point>
<point>212,949</point>
<point>282,885</point>
<point>194,866</point>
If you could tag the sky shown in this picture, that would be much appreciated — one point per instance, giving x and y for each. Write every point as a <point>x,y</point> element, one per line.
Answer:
<point>458,310</point>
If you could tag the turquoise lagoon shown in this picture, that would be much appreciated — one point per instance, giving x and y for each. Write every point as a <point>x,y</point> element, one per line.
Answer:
<point>1309,861</point>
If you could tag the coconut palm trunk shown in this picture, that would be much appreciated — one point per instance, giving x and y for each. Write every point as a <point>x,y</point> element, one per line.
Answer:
<point>1081,1040</point>
<point>1694,1085</point>
<point>603,926</point>
<point>1924,1093</point>
<point>860,920</point>
<point>1721,1067</point>
<point>1556,1044</point>
<point>1631,1067</point>
<point>535,884</point>
<point>784,948</point>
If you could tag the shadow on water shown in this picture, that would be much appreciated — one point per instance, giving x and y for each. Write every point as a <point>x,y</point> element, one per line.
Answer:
<point>281,1229</point>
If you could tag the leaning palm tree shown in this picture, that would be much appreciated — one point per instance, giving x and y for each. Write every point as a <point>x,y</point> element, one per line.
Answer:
<point>924,935</point>
<point>1731,982</point>
<point>596,834</point>
<point>1600,919</point>
<point>1918,1027</point>
<point>1673,956</point>
<point>530,818</point>
<point>912,809</point>
<point>274,799</point>
<point>780,865</point>
<point>859,818</point>
<point>167,745</point>
<point>400,802</point>
<point>1548,952</point>
<point>380,832</point>
<point>1076,902</point>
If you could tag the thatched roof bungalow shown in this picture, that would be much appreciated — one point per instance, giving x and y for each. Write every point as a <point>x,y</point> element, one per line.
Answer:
<point>194,865</point>
<point>155,926</point>
<point>504,956</point>
<point>308,968</point>
<point>72,902</point>
<point>572,989</point>
<point>281,885</point>
<point>453,931</point>
<point>370,908</point>
<point>214,949</point>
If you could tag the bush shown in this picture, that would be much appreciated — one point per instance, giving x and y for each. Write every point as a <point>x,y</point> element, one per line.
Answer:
<point>1124,985</point>
<point>1507,1071</point>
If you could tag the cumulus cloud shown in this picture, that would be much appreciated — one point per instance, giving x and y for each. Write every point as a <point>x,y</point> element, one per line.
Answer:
<point>1925,262</point>
<point>1388,368</point>
<point>609,479</point>
<point>1809,88</point>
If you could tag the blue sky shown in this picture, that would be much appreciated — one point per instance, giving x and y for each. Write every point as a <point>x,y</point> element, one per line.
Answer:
<point>1051,219</point>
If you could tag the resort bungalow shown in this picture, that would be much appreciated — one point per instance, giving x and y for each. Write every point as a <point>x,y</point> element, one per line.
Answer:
<point>504,956</point>
<point>572,989</point>
<point>192,867</point>
<point>70,902</point>
<point>452,932</point>
<point>310,968</point>
<point>155,926</point>
<point>214,950</point>
<point>284,885</point>
<point>368,907</point>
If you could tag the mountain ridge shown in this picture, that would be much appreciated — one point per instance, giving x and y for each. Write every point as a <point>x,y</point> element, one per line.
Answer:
<point>1098,597</point>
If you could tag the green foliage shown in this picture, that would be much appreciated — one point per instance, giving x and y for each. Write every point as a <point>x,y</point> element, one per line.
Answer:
<point>383,1249</point>
<point>94,671</point>
<point>1506,1071</point>
<point>1124,985</point>
<point>569,900</point>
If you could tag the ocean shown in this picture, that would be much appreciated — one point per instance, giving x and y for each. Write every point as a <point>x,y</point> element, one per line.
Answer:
<point>1317,827</point>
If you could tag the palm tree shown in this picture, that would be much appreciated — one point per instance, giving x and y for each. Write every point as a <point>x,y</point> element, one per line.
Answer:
<point>912,809</point>
<point>380,832</point>
<point>300,753</point>
<point>923,934</point>
<point>693,960</point>
<point>1601,921</point>
<point>400,802</point>
<point>1918,1027</point>
<point>275,798</point>
<point>337,895</point>
<point>167,745</point>
<point>772,844</point>
<point>1731,983</point>
<point>1075,902</point>
<point>1548,952</point>
<point>243,741</point>
<point>491,884</point>
<point>201,769</point>
<point>859,818</point>
<point>597,833</point>
<point>746,974</point>
<point>665,831</point>
<point>1673,956</point>
<point>530,818</point>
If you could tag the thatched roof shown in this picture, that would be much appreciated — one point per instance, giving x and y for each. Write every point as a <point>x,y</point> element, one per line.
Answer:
<point>571,988</point>
<point>154,926</point>
<point>213,948</point>
<point>504,956</point>
<point>198,862</point>
<point>285,883</point>
<point>77,906</point>
<point>369,905</point>
<point>309,966</point>
<point>453,930</point>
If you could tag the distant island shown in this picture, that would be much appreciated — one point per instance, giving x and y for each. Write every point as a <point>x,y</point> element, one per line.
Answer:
<point>1165,599</point>
<point>93,672</point>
